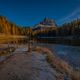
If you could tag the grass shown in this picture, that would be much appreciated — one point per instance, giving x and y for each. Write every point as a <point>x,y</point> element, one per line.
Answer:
<point>7,51</point>
<point>58,64</point>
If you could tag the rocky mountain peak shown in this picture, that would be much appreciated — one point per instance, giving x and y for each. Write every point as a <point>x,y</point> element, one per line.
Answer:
<point>48,22</point>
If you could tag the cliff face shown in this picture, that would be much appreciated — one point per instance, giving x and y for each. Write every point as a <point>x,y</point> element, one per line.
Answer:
<point>47,23</point>
<point>8,28</point>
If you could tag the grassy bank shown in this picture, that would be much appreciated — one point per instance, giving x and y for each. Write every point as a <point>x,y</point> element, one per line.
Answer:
<point>57,63</point>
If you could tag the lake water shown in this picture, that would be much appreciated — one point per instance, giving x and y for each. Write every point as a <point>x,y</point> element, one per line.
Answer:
<point>71,54</point>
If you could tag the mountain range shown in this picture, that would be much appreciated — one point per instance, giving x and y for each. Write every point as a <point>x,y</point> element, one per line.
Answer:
<point>46,27</point>
<point>9,28</point>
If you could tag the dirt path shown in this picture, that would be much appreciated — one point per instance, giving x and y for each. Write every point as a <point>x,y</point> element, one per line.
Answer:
<point>27,66</point>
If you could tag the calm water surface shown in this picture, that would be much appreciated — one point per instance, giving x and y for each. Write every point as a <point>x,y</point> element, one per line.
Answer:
<point>71,54</point>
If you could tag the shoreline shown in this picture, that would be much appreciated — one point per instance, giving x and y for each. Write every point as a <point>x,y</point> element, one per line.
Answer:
<point>55,62</point>
<point>58,63</point>
<point>6,53</point>
<point>22,63</point>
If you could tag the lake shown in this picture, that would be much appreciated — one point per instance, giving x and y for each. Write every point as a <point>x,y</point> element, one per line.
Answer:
<point>71,54</point>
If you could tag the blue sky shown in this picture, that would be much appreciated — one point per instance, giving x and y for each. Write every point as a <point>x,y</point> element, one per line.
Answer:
<point>31,12</point>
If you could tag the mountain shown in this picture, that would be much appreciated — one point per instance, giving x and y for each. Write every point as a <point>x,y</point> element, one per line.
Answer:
<point>48,22</point>
<point>69,30</point>
<point>45,24</point>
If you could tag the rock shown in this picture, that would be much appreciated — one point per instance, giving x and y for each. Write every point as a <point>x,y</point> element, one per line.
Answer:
<point>48,22</point>
<point>45,24</point>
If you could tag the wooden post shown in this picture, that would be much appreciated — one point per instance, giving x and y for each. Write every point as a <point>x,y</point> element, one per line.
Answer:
<point>29,44</point>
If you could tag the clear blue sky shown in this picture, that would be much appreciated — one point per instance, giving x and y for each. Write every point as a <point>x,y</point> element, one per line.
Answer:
<point>31,12</point>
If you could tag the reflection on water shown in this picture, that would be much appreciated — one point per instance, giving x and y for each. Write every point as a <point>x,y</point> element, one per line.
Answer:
<point>17,41</point>
<point>71,54</point>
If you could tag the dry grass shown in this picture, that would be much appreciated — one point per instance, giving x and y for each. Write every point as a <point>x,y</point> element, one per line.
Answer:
<point>7,51</point>
<point>58,63</point>
<point>75,75</point>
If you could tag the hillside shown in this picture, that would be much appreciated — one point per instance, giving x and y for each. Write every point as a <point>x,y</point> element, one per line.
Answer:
<point>9,28</point>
